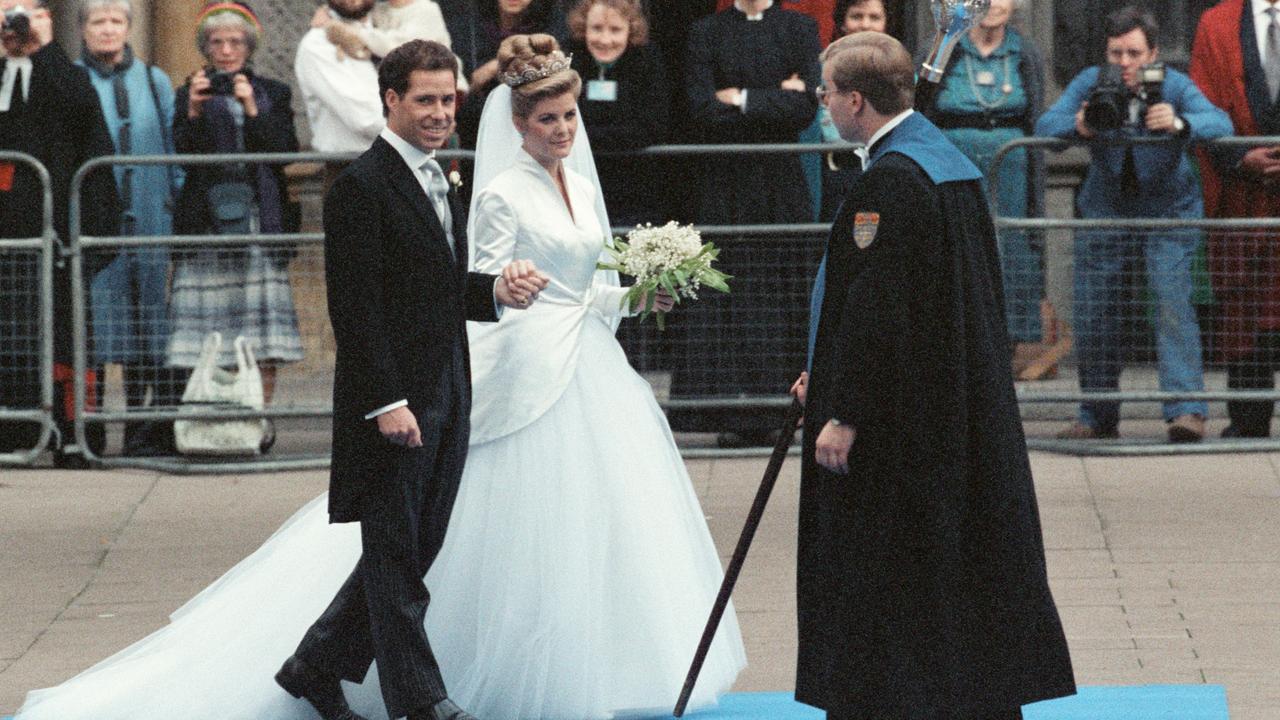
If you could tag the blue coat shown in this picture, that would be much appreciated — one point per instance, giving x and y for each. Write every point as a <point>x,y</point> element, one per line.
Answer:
<point>150,117</point>
<point>1168,185</point>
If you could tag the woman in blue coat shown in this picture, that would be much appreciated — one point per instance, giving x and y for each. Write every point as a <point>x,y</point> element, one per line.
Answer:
<point>129,296</point>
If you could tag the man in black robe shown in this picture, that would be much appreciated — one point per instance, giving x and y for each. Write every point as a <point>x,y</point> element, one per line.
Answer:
<point>48,109</point>
<point>921,581</point>
<point>751,71</point>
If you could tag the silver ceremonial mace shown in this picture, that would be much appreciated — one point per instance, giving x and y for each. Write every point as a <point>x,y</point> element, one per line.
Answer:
<point>953,18</point>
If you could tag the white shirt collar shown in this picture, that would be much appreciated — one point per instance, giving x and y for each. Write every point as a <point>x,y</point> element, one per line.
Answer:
<point>413,157</point>
<point>737,4</point>
<point>1260,8</point>
<point>8,84</point>
<point>888,127</point>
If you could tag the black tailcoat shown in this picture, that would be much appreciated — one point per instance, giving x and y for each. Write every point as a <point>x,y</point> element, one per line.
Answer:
<point>922,584</point>
<point>399,304</point>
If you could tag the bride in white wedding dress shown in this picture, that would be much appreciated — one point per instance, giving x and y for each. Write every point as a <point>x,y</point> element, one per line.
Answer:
<point>577,570</point>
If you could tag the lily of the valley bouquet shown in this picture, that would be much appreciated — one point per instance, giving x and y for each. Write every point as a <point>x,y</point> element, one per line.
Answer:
<point>672,257</point>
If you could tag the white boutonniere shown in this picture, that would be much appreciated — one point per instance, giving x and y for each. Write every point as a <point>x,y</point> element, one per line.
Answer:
<point>455,179</point>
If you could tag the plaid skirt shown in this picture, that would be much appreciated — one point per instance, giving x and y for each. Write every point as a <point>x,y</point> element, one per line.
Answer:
<point>242,291</point>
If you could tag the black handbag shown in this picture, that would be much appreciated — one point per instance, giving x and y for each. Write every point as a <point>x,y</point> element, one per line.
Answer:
<point>231,207</point>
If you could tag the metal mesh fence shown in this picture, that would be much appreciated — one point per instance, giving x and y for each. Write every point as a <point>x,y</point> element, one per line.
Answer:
<point>1154,320</point>
<point>26,350</point>
<point>1100,312</point>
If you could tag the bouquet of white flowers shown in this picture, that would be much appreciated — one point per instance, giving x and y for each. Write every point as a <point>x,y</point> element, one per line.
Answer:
<point>672,257</point>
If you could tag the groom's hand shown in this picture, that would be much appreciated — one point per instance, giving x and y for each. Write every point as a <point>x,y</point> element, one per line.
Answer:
<point>520,284</point>
<point>400,427</point>
<point>833,447</point>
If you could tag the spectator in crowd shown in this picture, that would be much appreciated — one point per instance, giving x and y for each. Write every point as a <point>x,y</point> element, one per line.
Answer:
<point>130,303</point>
<point>840,169</point>
<point>497,20</point>
<point>392,23</point>
<point>822,12</point>
<point>623,104</point>
<point>228,108</point>
<point>339,89</point>
<point>1234,61</point>
<point>991,93</point>
<point>752,74</point>
<point>48,109</point>
<point>1132,181</point>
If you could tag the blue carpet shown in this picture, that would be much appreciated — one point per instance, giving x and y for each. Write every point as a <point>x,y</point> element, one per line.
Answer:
<point>1147,702</point>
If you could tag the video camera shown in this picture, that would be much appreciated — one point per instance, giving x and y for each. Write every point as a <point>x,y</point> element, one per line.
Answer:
<point>1110,98</point>
<point>17,21</point>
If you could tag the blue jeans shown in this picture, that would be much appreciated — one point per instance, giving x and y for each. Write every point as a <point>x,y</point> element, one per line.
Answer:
<point>1100,309</point>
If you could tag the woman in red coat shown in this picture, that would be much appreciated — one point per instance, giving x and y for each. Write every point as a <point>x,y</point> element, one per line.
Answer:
<point>1227,64</point>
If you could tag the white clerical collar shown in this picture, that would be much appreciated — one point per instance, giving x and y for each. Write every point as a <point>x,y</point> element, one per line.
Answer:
<point>8,84</point>
<point>737,4</point>
<point>413,157</point>
<point>889,126</point>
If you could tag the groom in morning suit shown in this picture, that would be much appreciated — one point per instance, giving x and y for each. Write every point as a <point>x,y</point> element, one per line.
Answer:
<point>399,298</point>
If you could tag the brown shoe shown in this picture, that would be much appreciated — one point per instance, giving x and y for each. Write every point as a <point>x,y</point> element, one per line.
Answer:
<point>1186,429</point>
<point>1080,431</point>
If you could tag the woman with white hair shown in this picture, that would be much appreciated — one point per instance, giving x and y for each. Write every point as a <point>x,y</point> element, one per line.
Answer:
<point>227,108</point>
<point>992,92</point>
<point>130,304</point>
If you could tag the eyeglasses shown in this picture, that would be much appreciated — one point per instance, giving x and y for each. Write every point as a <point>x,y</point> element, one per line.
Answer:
<point>233,43</point>
<point>823,93</point>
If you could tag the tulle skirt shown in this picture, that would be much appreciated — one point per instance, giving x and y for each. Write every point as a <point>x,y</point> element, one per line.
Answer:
<point>573,584</point>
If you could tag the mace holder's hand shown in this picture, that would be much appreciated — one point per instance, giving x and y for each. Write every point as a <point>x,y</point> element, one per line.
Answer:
<point>953,18</point>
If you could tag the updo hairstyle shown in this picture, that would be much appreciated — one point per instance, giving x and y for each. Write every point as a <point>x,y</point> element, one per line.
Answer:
<point>520,54</point>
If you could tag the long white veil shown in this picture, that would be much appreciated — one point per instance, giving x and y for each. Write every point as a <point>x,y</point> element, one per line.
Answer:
<point>496,147</point>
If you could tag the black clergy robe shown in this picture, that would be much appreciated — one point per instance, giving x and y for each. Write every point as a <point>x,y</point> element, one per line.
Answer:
<point>922,589</point>
<point>748,342</point>
<point>62,126</point>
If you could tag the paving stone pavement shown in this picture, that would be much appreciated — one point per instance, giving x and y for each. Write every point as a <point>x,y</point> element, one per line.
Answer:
<point>1166,569</point>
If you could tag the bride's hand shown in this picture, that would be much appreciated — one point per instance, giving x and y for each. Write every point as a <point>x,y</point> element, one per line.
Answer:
<point>520,284</point>
<point>662,302</point>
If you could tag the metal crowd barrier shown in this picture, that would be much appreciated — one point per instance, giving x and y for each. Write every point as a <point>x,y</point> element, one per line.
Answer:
<point>26,272</point>
<point>314,402</point>
<point>1134,298</point>
<point>785,254</point>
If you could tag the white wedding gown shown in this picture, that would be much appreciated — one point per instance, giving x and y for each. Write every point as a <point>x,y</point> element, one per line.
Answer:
<point>577,571</point>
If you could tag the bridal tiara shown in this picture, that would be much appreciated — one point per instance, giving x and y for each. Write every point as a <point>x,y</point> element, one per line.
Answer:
<point>558,62</point>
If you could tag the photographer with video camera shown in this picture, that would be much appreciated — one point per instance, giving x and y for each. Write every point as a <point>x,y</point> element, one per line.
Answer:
<point>48,109</point>
<point>1134,96</point>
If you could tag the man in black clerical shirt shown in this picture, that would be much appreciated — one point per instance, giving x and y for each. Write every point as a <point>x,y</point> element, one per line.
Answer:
<point>48,109</point>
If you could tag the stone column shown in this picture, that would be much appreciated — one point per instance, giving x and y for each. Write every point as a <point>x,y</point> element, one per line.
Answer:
<point>173,39</point>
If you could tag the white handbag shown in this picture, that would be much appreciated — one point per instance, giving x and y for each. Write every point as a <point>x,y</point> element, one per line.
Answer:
<point>211,386</point>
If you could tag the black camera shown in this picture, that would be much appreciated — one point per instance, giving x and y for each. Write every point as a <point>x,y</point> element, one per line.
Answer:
<point>17,21</point>
<point>1110,98</point>
<point>221,83</point>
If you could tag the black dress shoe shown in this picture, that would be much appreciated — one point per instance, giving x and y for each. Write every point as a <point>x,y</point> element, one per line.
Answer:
<point>1243,431</point>
<point>446,709</point>
<point>324,692</point>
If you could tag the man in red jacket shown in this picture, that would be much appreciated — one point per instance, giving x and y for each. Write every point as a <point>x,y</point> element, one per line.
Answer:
<point>1236,62</point>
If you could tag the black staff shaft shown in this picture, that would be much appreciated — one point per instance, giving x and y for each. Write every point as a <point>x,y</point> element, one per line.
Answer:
<point>740,553</point>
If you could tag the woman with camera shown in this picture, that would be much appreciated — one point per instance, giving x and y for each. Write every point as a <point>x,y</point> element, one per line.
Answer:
<point>235,290</point>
